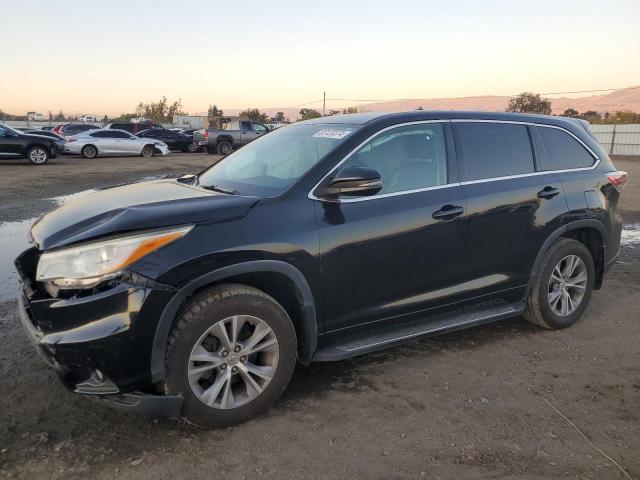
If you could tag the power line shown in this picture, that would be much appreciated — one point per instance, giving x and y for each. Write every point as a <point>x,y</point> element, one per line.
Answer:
<point>470,96</point>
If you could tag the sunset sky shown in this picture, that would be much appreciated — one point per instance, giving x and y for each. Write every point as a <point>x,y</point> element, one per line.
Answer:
<point>104,57</point>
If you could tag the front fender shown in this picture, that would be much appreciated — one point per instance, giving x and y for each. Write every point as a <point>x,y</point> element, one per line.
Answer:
<point>163,329</point>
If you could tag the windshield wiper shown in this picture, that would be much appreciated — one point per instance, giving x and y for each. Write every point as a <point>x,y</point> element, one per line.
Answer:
<point>216,188</point>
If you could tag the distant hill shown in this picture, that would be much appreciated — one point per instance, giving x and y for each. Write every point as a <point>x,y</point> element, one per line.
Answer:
<point>627,99</point>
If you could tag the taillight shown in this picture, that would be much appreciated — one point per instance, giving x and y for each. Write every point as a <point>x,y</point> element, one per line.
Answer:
<point>206,134</point>
<point>617,179</point>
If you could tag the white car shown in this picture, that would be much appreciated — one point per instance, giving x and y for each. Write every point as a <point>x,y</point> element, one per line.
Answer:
<point>108,141</point>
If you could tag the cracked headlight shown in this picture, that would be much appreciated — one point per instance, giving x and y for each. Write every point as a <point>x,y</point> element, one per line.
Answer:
<point>85,266</point>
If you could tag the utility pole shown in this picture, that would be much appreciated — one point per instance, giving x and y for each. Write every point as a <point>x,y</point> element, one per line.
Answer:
<point>324,101</point>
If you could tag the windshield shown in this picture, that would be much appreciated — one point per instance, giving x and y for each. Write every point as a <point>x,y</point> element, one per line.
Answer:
<point>267,166</point>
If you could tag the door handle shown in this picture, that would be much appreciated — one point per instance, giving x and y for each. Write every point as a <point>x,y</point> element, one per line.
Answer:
<point>548,192</point>
<point>448,212</point>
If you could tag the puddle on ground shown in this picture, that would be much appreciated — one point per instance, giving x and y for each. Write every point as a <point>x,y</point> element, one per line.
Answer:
<point>14,240</point>
<point>630,234</point>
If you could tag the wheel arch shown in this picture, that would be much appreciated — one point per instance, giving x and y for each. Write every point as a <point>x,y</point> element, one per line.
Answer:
<point>90,145</point>
<point>48,148</point>
<point>224,138</point>
<point>592,233</point>
<point>281,280</point>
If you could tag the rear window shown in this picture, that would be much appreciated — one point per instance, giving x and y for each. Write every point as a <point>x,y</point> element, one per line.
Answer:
<point>563,151</point>
<point>495,149</point>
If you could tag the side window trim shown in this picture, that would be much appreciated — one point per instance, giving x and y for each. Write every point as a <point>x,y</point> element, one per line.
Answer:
<point>547,163</point>
<point>448,152</point>
<point>462,161</point>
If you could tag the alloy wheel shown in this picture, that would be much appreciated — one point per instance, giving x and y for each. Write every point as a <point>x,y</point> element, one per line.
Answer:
<point>38,155</point>
<point>567,285</point>
<point>233,362</point>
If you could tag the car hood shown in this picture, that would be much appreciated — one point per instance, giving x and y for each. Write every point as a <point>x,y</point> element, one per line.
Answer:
<point>138,206</point>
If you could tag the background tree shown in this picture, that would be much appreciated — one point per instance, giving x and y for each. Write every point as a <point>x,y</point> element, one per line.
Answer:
<point>279,118</point>
<point>59,117</point>
<point>125,117</point>
<point>309,113</point>
<point>214,111</point>
<point>161,111</point>
<point>420,108</point>
<point>350,110</point>
<point>528,102</point>
<point>570,112</point>
<point>591,116</point>
<point>255,115</point>
<point>50,115</point>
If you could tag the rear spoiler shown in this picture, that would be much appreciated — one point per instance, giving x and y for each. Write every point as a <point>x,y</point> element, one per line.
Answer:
<point>584,124</point>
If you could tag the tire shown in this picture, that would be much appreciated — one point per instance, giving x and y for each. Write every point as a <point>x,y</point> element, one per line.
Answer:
<point>224,147</point>
<point>38,155</point>
<point>193,147</point>
<point>147,151</point>
<point>546,304</point>
<point>206,312</point>
<point>89,151</point>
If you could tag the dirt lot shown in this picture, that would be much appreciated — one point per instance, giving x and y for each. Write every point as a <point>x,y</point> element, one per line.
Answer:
<point>474,404</point>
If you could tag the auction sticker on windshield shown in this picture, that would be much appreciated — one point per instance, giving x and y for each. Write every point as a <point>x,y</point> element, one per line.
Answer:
<point>332,133</point>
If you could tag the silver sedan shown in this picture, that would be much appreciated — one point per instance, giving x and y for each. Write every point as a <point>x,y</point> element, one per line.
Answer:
<point>109,141</point>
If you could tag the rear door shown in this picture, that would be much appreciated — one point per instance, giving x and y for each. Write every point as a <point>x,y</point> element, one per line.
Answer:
<point>246,132</point>
<point>104,142</point>
<point>513,204</point>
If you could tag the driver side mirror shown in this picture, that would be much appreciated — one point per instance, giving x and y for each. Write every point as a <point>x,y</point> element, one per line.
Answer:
<point>353,181</point>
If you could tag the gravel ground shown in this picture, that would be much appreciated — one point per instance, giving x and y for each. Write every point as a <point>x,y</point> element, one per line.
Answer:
<point>506,400</point>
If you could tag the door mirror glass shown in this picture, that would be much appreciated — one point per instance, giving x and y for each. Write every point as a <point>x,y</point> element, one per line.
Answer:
<point>353,181</point>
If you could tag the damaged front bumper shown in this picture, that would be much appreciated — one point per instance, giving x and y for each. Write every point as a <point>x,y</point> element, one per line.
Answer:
<point>100,344</point>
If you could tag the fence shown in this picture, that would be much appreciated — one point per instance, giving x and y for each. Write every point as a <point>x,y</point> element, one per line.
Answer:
<point>618,139</point>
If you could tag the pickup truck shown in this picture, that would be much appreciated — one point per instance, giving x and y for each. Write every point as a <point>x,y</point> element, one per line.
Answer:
<point>234,135</point>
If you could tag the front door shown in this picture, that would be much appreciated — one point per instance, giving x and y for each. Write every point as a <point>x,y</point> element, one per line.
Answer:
<point>10,143</point>
<point>401,250</point>
<point>127,144</point>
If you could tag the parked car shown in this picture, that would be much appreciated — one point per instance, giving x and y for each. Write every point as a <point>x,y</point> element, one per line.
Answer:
<point>134,127</point>
<point>37,149</point>
<point>234,135</point>
<point>60,141</point>
<point>45,133</point>
<point>88,118</point>
<point>70,129</point>
<point>113,142</point>
<point>175,140</point>
<point>323,240</point>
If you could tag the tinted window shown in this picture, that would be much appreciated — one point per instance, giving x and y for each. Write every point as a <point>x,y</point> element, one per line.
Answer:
<point>407,158</point>
<point>563,151</point>
<point>258,127</point>
<point>245,126</point>
<point>117,134</point>
<point>102,134</point>
<point>495,149</point>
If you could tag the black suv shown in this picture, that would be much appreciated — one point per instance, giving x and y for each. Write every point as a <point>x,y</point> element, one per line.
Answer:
<point>35,147</point>
<point>174,140</point>
<point>323,240</point>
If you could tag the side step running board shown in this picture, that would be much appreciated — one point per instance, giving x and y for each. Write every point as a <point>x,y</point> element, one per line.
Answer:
<point>430,326</point>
